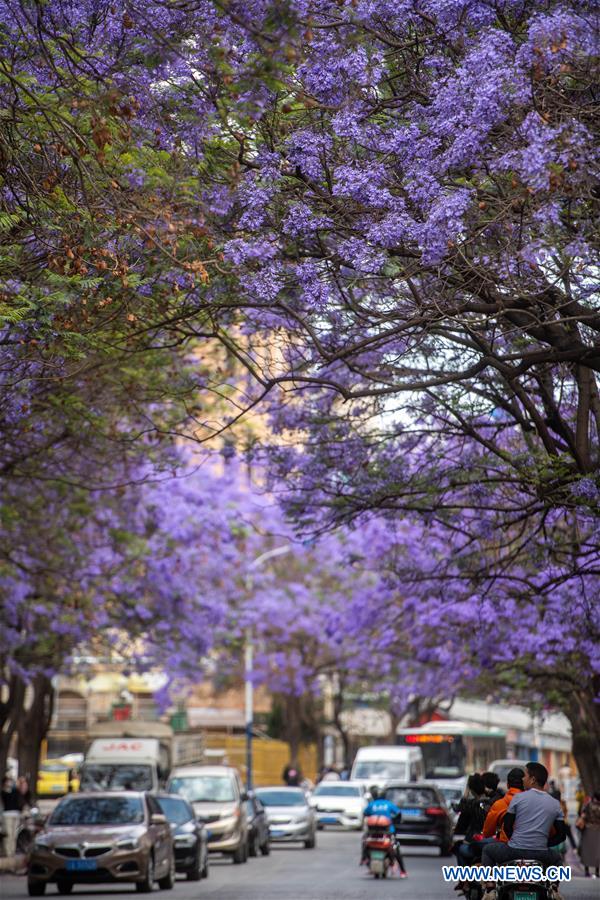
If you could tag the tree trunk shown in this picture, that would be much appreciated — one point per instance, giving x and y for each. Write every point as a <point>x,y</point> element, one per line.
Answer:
<point>33,727</point>
<point>11,708</point>
<point>394,722</point>
<point>293,727</point>
<point>584,716</point>
<point>338,705</point>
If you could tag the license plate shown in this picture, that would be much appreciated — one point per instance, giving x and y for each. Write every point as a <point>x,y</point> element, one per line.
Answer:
<point>377,854</point>
<point>328,820</point>
<point>410,812</point>
<point>81,865</point>
<point>525,895</point>
<point>276,832</point>
<point>57,788</point>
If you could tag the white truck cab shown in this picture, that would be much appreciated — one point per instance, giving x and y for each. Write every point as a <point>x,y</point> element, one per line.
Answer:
<point>121,764</point>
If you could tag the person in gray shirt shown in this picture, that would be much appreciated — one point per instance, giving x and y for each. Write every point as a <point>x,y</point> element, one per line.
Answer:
<point>530,818</point>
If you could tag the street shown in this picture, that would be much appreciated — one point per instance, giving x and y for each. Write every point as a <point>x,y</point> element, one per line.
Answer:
<point>330,872</point>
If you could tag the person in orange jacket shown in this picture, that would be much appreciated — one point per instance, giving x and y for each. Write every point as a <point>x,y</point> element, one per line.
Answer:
<point>493,827</point>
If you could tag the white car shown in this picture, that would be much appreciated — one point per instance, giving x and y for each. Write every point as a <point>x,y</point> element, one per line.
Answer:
<point>340,803</point>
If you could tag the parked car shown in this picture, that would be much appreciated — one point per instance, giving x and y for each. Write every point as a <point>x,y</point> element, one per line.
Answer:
<point>290,816</point>
<point>103,837</point>
<point>218,799</point>
<point>258,826</point>
<point>56,778</point>
<point>189,836</point>
<point>340,803</point>
<point>425,817</point>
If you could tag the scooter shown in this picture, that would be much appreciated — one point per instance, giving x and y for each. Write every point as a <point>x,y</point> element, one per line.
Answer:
<point>379,845</point>
<point>536,890</point>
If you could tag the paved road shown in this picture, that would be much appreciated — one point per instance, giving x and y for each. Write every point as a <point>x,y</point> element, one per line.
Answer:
<point>330,872</point>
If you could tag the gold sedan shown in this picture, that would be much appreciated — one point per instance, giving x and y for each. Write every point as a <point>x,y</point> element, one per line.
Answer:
<point>96,838</point>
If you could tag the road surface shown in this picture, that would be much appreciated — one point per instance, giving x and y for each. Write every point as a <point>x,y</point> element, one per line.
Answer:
<point>330,872</point>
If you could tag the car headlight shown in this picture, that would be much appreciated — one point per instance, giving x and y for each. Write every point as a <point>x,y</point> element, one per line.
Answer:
<point>229,822</point>
<point>185,840</point>
<point>302,820</point>
<point>41,842</point>
<point>128,843</point>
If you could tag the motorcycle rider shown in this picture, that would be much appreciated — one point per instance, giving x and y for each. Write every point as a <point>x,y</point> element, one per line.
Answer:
<point>492,791</point>
<point>379,805</point>
<point>531,817</point>
<point>494,821</point>
<point>471,816</point>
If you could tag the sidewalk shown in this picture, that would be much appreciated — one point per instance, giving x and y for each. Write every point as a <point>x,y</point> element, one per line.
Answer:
<point>572,859</point>
<point>13,865</point>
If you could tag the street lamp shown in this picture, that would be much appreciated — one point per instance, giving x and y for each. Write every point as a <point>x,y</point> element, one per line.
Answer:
<point>249,660</point>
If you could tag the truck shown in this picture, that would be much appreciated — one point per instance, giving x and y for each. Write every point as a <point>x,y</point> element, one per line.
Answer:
<point>137,756</point>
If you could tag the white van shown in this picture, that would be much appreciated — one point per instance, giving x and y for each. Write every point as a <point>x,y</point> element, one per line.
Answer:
<point>382,764</point>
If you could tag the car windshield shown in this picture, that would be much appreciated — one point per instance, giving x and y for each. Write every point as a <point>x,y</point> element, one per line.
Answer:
<point>451,795</point>
<point>336,790</point>
<point>380,768</point>
<point>282,798</point>
<point>53,767</point>
<point>411,796</point>
<point>204,788</point>
<point>116,778</point>
<point>98,811</point>
<point>176,811</point>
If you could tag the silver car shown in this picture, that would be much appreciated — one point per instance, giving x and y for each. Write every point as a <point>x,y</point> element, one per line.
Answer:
<point>289,814</point>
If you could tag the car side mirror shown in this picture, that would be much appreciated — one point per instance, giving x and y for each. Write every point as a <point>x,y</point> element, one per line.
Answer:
<point>158,819</point>
<point>245,796</point>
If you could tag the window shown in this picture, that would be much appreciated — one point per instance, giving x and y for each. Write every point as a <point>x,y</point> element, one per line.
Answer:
<point>336,790</point>
<point>378,769</point>
<point>204,788</point>
<point>274,797</point>
<point>98,811</point>
<point>176,811</point>
<point>111,778</point>
<point>412,796</point>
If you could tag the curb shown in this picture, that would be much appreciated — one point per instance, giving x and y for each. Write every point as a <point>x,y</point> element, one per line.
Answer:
<point>12,865</point>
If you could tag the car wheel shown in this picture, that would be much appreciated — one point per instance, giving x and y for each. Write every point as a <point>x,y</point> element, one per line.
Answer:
<point>195,873</point>
<point>36,888</point>
<point>63,886</point>
<point>265,848</point>
<point>252,851</point>
<point>145,886</point>
<point>167,882</point>
<point>239,855</point>
<point>320,828</point>
<point>311,843</point>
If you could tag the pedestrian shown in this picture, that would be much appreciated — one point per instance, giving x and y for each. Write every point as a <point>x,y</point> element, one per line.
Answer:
<point>589,826</point>
<point>10,797</point>
<point>24,793</point>
<point>291,776</point>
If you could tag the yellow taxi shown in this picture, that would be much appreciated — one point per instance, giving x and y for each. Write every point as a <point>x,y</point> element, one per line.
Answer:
<point>55,778</point>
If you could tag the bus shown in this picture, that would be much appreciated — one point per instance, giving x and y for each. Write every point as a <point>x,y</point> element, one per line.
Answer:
<point>453,749</point>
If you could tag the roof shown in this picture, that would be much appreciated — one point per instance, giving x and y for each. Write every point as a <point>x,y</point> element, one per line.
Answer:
<point>203,770</point>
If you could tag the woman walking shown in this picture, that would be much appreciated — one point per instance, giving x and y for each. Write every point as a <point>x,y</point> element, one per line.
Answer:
<point>589,846</point>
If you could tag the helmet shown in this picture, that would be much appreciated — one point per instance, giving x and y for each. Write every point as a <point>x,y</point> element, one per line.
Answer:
<point>374,791</point>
